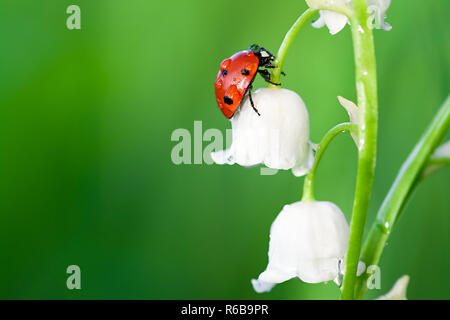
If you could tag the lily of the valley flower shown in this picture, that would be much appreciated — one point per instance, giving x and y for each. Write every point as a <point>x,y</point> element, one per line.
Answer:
<point>278,138</point>
<point>336,21</point>
<point>398,291</point>
<point>308,240</point>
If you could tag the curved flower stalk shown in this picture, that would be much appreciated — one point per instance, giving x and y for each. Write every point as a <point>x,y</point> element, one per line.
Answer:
<point>336,21</point>
<point>308,240</point>
<point>278,138</point>
<point>398,291</point>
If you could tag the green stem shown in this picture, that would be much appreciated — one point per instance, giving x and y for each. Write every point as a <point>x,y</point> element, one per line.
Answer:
<point>285,45</point>
<point>400,190</point>
<point>366,86</point>
<point>308,186</point>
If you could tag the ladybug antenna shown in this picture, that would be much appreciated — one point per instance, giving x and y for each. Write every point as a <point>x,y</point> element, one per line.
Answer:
<point>255,48</point>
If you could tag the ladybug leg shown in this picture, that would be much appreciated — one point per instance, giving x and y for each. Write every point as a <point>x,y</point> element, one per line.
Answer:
<point>271,66</point>
<point>251,101</point>
<point>266,75</point>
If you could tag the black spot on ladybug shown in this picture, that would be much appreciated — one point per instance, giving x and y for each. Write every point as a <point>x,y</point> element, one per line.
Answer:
<point>224,72</point>
<point>227,100</point>
<point>245,72</point>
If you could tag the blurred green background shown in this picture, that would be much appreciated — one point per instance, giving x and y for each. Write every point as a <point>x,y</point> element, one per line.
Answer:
<point>86,176</point>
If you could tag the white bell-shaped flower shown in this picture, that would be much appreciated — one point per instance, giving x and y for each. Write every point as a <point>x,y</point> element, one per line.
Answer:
<point>307,240</point>
<point>336,21</point>
<point>277,138</point>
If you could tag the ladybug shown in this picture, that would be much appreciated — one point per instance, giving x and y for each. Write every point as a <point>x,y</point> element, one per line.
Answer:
<point>236,76</point>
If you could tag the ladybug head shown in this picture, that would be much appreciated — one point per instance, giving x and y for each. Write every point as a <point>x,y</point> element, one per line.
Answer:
<point>254,48</point>
<point>264,55</point>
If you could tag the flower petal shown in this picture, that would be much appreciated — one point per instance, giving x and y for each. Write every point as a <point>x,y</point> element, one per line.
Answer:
<point>319,23</point>
<point>334,21</point>
<point>269,278</point>
<point>222,157</point>
<point>261,286</point>
<point>303,168</point>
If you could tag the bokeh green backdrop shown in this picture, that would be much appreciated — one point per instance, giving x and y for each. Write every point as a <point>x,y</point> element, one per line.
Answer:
<point>86,176</point>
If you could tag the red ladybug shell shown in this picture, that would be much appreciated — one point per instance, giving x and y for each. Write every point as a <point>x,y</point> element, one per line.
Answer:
<point>234,77</point>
